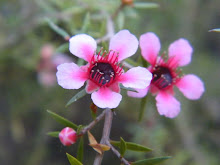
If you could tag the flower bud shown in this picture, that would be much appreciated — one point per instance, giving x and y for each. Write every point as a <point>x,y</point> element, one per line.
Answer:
<point>93,108</point>
<point>68,136</point>
<point>127,2</point>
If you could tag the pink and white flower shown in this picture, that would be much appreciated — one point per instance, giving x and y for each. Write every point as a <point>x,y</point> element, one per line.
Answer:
<point>68,136</point>
<point>47,66</point>
<point>166,74</point>
<point>103,73</point>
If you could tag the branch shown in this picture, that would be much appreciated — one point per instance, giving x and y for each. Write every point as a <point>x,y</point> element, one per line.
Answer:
<point>105,139</point>
<point>115,14</point>
<point>105,134</point>
<point>117,153</point>
<point>110,31</point>
<point>93,123</point>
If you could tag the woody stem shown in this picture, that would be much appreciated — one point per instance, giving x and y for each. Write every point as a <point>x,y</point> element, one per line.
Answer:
<point>105,134</point>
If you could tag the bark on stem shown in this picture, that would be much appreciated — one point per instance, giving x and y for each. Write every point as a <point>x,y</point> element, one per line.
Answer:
<point>105,134</point>
<point>92,124</point>
<point>117,153</point>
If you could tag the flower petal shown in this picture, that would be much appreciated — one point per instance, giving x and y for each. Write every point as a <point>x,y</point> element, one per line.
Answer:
<point>181,51</point>
<point>150,46</point>
<point>105,98</point>
<point>60,59</point>
<point>137,77</point>
<point>125,43</point>
<point>167,105</point>
<point>71,76</point>
<point>139,94</point>
<point>91,86</point>
<point>191,86</point>
<point>115,87</point>
<point>82,46</point>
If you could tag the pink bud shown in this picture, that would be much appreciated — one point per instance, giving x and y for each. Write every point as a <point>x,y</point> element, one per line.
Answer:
<point>68,136</point>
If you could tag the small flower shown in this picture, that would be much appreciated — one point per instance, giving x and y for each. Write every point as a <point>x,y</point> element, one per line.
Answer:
<point>67,136</point>
<point>166,74</point>
<point>103,72</point>
<point>47,66</point>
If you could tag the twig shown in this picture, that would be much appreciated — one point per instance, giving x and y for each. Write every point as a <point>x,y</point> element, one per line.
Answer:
<point>110,31</point>
<point>117,11</point>
<point>117,153</point>
<point>92,124</point>
<point>127,65</point>
<point>105,134</point>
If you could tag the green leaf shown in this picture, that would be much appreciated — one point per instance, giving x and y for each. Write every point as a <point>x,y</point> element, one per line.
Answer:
<point>215,30</point>
<point>142,61</point>
<point>132,146</point>
<point>127,88</point>
<point>72,160</point>
<point>145,5</point>
<point>121,20</point>
<point>80,62</point>
<point>75,9</point>
<point>142,108</point>
<point>79,95</point>
<point>103,28</point>
<point>151,161</point>
<point>131,62</point>
<point>57,29</point>
<point>79,129</point>
<point>62,120</point>
<point>93,114</point>
<point>54,134</point>
<point>80,150</point>
<point>86,23</point>
<point>62,48</point>
<point>123,146</point>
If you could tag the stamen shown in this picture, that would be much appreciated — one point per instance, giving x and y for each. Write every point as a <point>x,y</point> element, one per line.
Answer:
<point>104,68</point>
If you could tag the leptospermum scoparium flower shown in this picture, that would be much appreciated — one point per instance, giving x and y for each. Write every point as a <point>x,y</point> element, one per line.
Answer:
<point>103,72</point>
<point>166,74</point>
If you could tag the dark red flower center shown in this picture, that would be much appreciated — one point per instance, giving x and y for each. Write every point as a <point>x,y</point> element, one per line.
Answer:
<point>104,69</point>
<point>102,73</point>
<point>162,77</point>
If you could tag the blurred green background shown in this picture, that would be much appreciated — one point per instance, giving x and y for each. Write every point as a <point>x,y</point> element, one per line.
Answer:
<point>193,138</point>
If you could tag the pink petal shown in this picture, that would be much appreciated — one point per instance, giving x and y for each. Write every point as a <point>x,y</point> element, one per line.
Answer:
<point>137,77</point>
<point>115,87</point>
<point>153,89</point>
<point>124,43</point>
<point>60,59</point>
<point>181,51</point>
<point>91,86</point>
<point>71,76</point>
<point>150,47</point>
<point>82,46</point>
<point>139,94</point>
<point>167,105</point>
<point>191,86</point>
<point>105,98</point>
